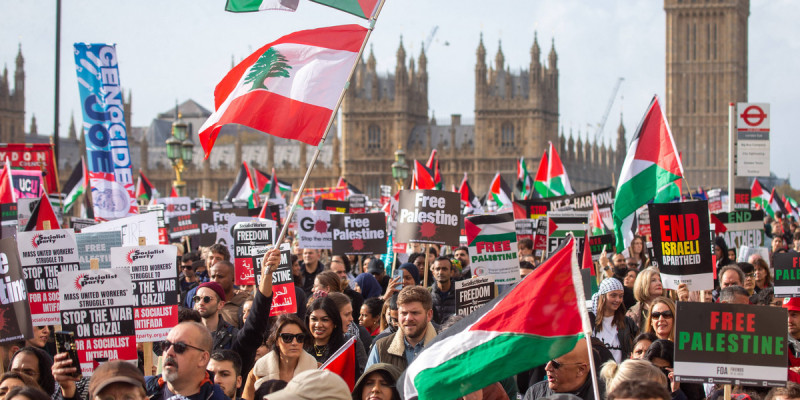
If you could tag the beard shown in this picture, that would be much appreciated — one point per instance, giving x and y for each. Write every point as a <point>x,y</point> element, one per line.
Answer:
<point>170,375</point>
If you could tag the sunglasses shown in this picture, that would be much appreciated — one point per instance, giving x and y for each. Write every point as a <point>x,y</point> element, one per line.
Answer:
<point>557,365</point>
<point>666,314</point>
<point>204,299</point>
<point>180,347</point>
<point>288,337</point>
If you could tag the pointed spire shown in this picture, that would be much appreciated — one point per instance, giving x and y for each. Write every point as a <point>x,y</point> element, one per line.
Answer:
<point>481,52</point>
<point>371,60</point>
<point>535,50</point>
<point>621,142</point>
<point>552,58</point>
<point>20,59</point>
<point>401,53</point>
<point>499,59</point>
<point>34,128</point>
<point>72,133</point>
<point>423,60</point>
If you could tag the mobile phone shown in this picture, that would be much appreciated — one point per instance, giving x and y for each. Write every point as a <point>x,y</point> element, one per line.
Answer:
<point>65,343</point>
<point>398,273</point>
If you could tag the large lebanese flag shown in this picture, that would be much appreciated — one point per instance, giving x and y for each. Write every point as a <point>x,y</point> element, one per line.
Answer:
<point>288,88</point>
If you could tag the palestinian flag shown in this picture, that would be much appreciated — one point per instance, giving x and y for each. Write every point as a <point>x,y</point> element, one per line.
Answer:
<point>144,189</point>
<point>343,363</point>
<point>499,193</point>
<point>7,194</point>
<point>351,189</point>
<point>433,165</point>
<point>596,221</point>
<point>651,165</point>
<point>288,88</point>
<point>586,262</point>
<point>761,197</point>
<point>264,181</point>
<point>470,204</point>
<point>537,320</point>
<point>775,204</point>
<point>260,5</point>
<point>243,188</point>
<point>366,9</point>
<point>551,178</point>
<point>791,205</point>
<point>41,213</point>
<point>76,185</point>
<point>423,177</point>
<point>524,181</point>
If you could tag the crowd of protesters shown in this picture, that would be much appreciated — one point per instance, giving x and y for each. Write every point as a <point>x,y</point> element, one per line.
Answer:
<point>226,346</point>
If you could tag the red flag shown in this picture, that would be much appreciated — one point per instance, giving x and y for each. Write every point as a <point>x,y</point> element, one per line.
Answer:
<point>173,193</point>
<point>719,226</point>
<point>43,212</point>
<point>433,165</point>
<point>343,363</point>
<point>7,194</point>
<point>423,177</point>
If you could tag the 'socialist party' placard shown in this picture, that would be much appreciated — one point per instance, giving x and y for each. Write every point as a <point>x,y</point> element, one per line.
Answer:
<point>43,254</point>
<point>154,274</point>
<point>787,274</point>
<point>97,305</point>
<point>730,344</point>
<point>429,216</point>
<point>492,242</point>
<point>682,244</point>
<point>359,233</point>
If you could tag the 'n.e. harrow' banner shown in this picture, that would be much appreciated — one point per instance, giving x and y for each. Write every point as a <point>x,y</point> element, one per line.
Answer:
<point>107,155</point>
<point>682,244</point>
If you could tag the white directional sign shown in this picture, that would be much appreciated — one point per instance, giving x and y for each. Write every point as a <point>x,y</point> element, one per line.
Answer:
<point>752,152</point>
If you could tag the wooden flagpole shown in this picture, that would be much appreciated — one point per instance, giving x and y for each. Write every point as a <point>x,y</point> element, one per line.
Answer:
<point>299,193</point>
<point>577,282</point>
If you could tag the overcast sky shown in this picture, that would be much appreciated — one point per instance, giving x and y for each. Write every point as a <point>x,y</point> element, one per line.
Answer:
<point>172,50</point>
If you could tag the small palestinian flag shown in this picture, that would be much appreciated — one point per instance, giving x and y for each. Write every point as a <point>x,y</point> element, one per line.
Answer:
<point>360,8</point>
<point>761,197</point>
<point>243,188</point>
<point>433,165</point>
<point>76,185</point>
<point>470,204</point>
<point>551,178</point>
<point>423,177</point>
<point>144,189</point>
<point>499,193</point>
<point>524,181</point>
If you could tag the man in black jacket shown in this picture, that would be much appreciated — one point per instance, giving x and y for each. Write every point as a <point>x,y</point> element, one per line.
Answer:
<point>569,373</point>
<point>444,291</point>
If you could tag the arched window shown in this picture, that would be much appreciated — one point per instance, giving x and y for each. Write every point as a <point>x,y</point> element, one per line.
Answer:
<point>374,137</point>
<point>507,135</point>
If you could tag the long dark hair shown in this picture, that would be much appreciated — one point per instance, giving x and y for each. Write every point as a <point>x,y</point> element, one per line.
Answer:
<point>282,321</point>
<point>337,336</point>
<point>619,314</point>
<point>46,380</point>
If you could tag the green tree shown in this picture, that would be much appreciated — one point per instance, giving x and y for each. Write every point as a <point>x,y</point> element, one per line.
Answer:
<point>270,64</point>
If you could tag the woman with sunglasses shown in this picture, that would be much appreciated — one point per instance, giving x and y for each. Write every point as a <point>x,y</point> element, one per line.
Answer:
<point>610,324</point>
<point>325,324</point>
<point>661,320</point>
<point>286,358</point>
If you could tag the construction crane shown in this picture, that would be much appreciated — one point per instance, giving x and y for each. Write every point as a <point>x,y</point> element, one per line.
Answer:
<point>602,123</point>
<point>430,38</point>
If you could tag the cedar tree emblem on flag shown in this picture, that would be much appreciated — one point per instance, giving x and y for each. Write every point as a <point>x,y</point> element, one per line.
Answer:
<point>271,64</point>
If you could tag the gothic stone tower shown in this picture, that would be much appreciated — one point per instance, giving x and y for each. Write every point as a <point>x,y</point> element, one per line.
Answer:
<point>515,114</point>
<point>706,69</point>
<point>12,104</point>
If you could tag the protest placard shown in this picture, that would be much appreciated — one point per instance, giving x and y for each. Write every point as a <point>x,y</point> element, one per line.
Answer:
<point>340,206</point>
<point>741,200</point>
<point>730,344</point>
<point>682,244</point>
<point>97,305</point>
<point>744,253</point>
<point>583,202</point>
<point>97,245</point>
<point>247,238</point>
<point>560,223</point>
<point>79,223</point>
<point>159,210</point>
<point>36,157</point>
<point>154,273</point>
<point>212,221</point>
<point>471,294</point>
<point>358,203</point>
<point>175,207</point>
<point>283,295</point>
<point>182,225</point>
<point>15,313</point>
<point>225,237</point>
<point>132,228</point>
<point>787,274</point>
<point>540,237</point>
<point>8,220</point>
<point>358,233</point>
<point>313,229</point>
<point>531,209</point>
<point>429,216</point>
<point>743,228</point>
<point>596,245</point>
<point>493,246</point>
<point>43,254</point>
<point>27,184</point>
<point>525,228</point>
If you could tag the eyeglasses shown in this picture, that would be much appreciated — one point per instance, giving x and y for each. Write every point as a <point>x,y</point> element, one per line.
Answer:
<point>750,275</point>
<point>666,314</point>
<point>288,337</point>
<point>180,347</point>
<point>557,365</point>
<point>204,299</point>
<point>187,266</point>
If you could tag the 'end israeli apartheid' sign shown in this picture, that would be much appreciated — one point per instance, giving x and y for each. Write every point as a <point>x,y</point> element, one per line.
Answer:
<point>429,216</point>
<point>682,244</point>
<point>471,294</point>
<point>358,233</point>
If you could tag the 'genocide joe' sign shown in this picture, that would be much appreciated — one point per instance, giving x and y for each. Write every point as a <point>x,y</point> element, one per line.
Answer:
<point>682,244</point>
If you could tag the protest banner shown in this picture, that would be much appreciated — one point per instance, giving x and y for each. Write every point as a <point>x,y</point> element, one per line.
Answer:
<point>540,237</point>
<point>15,313</point>
<point>430,216</point>
<point>471,294</point>
<point>212,221</point>
<point>340,206</point>
<point>132,228</point>
<point>525,228</point>
<point>283,295</point>
<point>79,223</point>
<point>96,245</point>
<point>33,157</point>
<point>313,229</point>
<point>154,273</point>
<point>97,305</point>
<point>743,228</point>
<point>682,244</point>
<point>643,222</point>
<point>730,344</point>
<point>248,236</point>
<point>175,207</point>
<point>583,202</point>
<point>358,233</point>
<point>27,184</point>
<point>358,203</point>
<point>159,210</point>
<point>787,274</point>
<point>560,223</point>
<point>43,254</point>
<point>493,246</point>
<point>741,200</point>
<point>531,209</point>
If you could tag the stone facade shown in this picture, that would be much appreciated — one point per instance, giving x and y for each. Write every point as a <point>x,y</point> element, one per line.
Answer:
<point>12,103</point>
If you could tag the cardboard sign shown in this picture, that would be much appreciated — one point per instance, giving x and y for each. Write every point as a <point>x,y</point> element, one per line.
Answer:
<point>212,221</point>
<point>27,184</point>
<point>96,245</point>
<point>540,237</point>
<point>471,294</point>
<point>358,233</point>
<point>560,223</point>
<point>787,274</point>
<point>643,222</point>
<point>247,238</point>
<point>159,210</point>
<point>730,344</point>
<point>181,226</point>
<point>714,200</point>
<point>741,200</point>
<point>132,228</point>
<point>154,273</point>
<point>743,228</point>
<point>225,237</point>
<point>43,254</point>
<point>79,223</point>
<point>340,206</point>
<point>15,313</point>
<point>583,202</point>
<point>176,207</point>
<point>98,306</point>
<point>493,246</point>
<point>596,244</point>
<point>283,296</point>
<point>313,229</point>
<point>429,216</point>
<point>358,203</point>
<point>525,228</point>
<point>531,209</point>
<point>682,244</point>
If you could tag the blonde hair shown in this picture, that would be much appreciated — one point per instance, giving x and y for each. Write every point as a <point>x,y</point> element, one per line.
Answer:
<point>630,370</point>
<point>641,286</point>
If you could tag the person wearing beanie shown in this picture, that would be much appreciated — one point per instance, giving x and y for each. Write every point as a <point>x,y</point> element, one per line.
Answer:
<point>378,382</point>
<point>208,301</point>
<point>609,322</point>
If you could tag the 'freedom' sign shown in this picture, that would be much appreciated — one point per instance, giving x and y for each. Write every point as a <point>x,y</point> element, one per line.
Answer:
<point>359,233</point>
<point>730,344</point>
<point>682,244</point>
<point>429,216</point>
<point>787,274</point>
